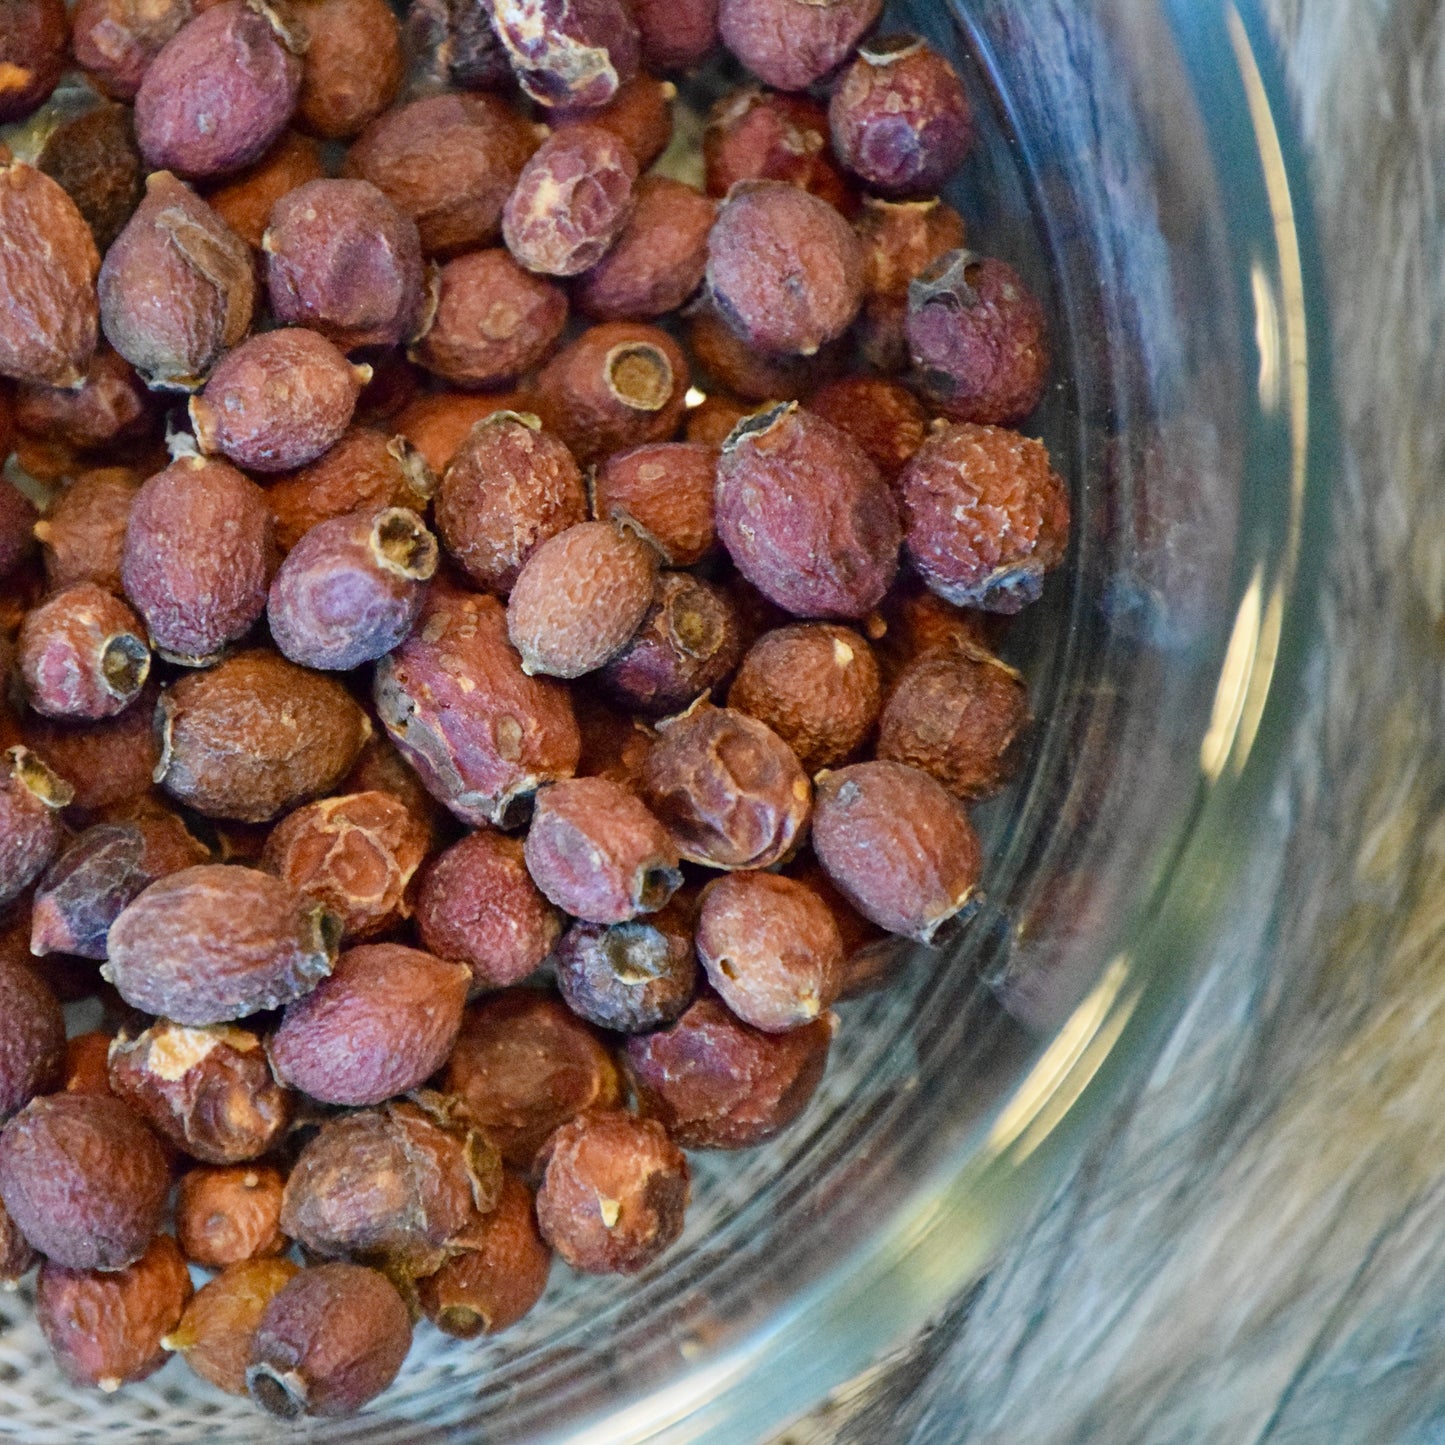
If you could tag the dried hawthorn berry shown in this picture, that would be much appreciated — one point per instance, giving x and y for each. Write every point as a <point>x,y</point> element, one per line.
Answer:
<point>87,1063</point>
<point>728,788</point>
<point>759,135</point>
<point>663,491</point>
<point>870,956</point>
<point>32,1037</point>
<point>437,423</point>
<point>344,261</point>
<point>510,487</point>
<point>886,420</point>
<point>792,43</point>
<point>49,319</point>
<point>900,118</point>
<point>245,202</point>
<point>380,768</point>
<point>784,269</point>
<point>255,736</point>
<point>676,34</point>
<point>568,52</point>
<point>230,1213</point>
<point>897,846</point>
<point>330,1342</point>
<point>93,157</point>
<point>220,91</point>
<point>525,1065</point>
<point>100,871</point>
<point>816,685</point>
<point>478,904</point>
<point>496,1273</point>
<point>688,642</point>
<point>806,516</point>
<point>571,201</point>
<point>579,597</point>
<point>104,1328</point>
<point>614,1191</point>
<point>216,1333</point>
<point>114,41</point>
<point>81,654</point>
<point>33,35</point>
<point>17,528</point>
<point>450,162</point>
<point>979,338</point>
<point>31,797</point>
<point>84,1180</point>
<point>639,115</point>
<point>356,855</point>
<point>454,42</point>
<point>103,764</point>
<point>277,401</point>
<point>748,373</point>
<point>613,743</point>
<point>353,66</point>
<point>110,407</point>
<point>17,1258</point>
<point>481,734</point>
<point>177,288</point>
<point>493,321</point>
<point>658,259</point>
<point>365,470</point>
<point>985,516</point>
<point>919,620</point>
<point>217,942</point>
<point>382,1023</point>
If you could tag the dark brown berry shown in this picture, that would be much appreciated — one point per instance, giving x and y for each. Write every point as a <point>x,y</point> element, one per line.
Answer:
<point>639,115</point>
<point>110,408</point>
<point>353,66</point>
<point>568,52</point>
<point>32,1037</point>
<point>886,420</point>
<point>103,764</point>
<point>82,536</point>
<point>676,34</point>
<point>613,743</point>
<point>792,43</point>
<point>759,135</point>
<point>17,1258</point>
<point>17,526</point>
<point>454,42</point>
<point>750,374</point>
<point>93,157</point>
<point>437,423</point>
<point>33,35</point>
<point>114,41</point>
<point>246,201</point>
<point>231,1213</point>
<point>664,491</point>
<point>82,654</point>
<point>218,1329</point>
<point>31,797</point>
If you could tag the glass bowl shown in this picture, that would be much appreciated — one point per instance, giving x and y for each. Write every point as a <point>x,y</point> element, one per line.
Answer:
<point>1135,164</point>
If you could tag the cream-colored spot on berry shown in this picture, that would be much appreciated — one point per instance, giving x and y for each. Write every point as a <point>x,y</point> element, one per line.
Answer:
<point>610,1210</point>
<point>842,653</point>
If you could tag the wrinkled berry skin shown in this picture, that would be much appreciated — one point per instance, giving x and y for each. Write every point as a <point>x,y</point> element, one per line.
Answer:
<point>220,91</point>
<point>437,423</point>
<point>17,523</point>
<point>759,135</point>
<point>218,942</point>
<point>81,654</point>
<point>199,554</point>
<point>784,268</point>
<point>479,731</point>
<point>82,536</point>
<point>897,846</point>
<point>664,491</point>
<point>344,261</point>
<point>630,977</point>
<point>17,1258</point>
<point>510,487</point>
<point>110,407</point>
<point>245,202</point>
<point>717,1083</point>
<point>614,1192</point>
<point>900,119</point>
<point>454,42</point>
<point>353,66</point>
<point>114,41</point>
<point>277,401</point>
<point>93,158</point>
<point>32,54</point>
<point>886,420</point>
<point>230,1213</point>
<point>979,339</point>
<point>805,515</point>
<point>216,1332</point>
<point>32,1037</point>
<point>676,34</point>
<point>351,588</point>
<point>792,43</point>
<point>31,797</point>
<point>383,1022</point>
<point>478,904</point>
<point>330,1342</point>
<point>985,516</point>
<point>103,764</point>
<point>177,288</point>
<point>84,1179</point>
<point>639,115</point>
<point>255,736</point>
<point>568,52</point>
<point>571,201</point>
<point>728,788</point>
<point>105,1328</point>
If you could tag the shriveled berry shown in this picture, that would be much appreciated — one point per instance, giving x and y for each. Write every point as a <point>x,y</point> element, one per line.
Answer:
<point>613,743</point>
<point>728,788</point>
<point>437,423</point>
<point>664,491</point>
<point>676,34</point>
<point>510,487</point>
<point>87,1063</point>
<point>478,904</point>
<point>33,35</point>
<point>568,52</point>
<point>450,162</point>
<point>344,261</point>
<point>985,515</point>
<point>886,420</point>
<point>84,1180</point>
<point>98,873</point>
<point>639,115</point>
<point>277,401</point>
<point>380,768</point>
<point>356,855</point>
<point>382,1023</point>
<point>17,527</point>
<point>104,1328</point>
<point>579,597</point>
<point>979,338</point>
<point>245,202</point>
<point>31,797</point>
<point>17,1258</point>
<point>481,733</point>
<point>330,1342</point>
<point>525,1065</point>
<point>218,1329</point>
<point>32,1037</point>
<point>759,135</point>
<point>493,321</point>
<point>114,41</point>
<point>103,764</point>
<point>93,157</point>
<point>217,942</point>
<point>748,373</point>
<point>688,642</point>
<point>806,516</point>
<point>220,91</point>
<point>870,956</point>
<point>49,319</point>
<point>784,268</point>
<point>177,288</point>
<point>614,1193</point>
<point>353,66</point>
<point>230,1213</point>
<point>453,42</point>
<point>111,407</point>
<point>82,655</point>
<point>919,620</point>
<point>792,43</point>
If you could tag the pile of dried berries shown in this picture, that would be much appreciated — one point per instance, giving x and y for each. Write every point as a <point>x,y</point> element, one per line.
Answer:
<point>506,647</point>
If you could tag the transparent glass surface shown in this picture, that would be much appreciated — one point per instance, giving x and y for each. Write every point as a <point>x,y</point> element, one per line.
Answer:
<point>1131,166</point>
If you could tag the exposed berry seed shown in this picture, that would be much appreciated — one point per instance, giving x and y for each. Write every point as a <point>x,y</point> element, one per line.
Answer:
<point>32,1037</point>
<point>82,536</point>
<point>886,420</point>
<point>568,52</point>
<point>245,202</point>
<point>93,158</point>
<point>228,1214</point>
<point>454,41</point>
<point>81,654</point>
<point>216,1333</point>
<point>639,115</point>
<point>664,491</point>
<point>353,66</point>
<point>792,43</point>
<point>676,34</point>
<point>33,34</point>
<point>114,41</point>
<point>31,797</point>
<point>759,135</point>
